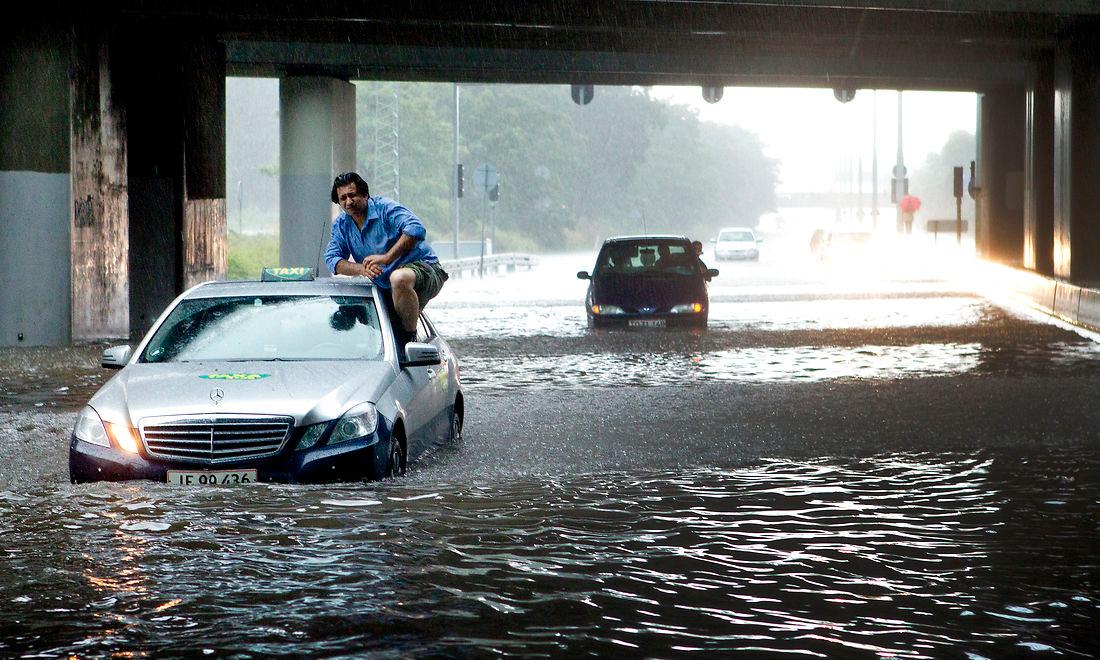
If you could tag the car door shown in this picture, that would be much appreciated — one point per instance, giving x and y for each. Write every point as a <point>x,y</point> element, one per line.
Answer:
<point>422,408</point>
<point>445,382</point>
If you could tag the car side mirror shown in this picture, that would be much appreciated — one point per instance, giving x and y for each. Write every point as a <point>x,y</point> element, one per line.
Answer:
<point>583,275</point>
<point>714,240</point>
<point>420,355</point>
<point>712,273</point>
<point>759,241</point>
<point>115,357</point>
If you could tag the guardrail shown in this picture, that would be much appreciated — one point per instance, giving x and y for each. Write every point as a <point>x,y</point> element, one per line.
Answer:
<point>490,265</point>
<point>955,226</point>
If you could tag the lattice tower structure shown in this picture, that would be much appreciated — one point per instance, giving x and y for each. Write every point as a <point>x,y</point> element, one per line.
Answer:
<point>387,138</point>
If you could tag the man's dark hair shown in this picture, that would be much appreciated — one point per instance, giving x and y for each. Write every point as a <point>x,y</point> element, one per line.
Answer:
<point>347,178</point>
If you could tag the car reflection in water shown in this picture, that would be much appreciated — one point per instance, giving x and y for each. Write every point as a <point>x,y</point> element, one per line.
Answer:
<point>647,281</point>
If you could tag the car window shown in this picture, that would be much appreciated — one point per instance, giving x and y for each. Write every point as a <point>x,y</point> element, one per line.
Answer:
<point>423,332</point>
<point>647,258</point>
<point>268,328</point>
<point>736,236</point>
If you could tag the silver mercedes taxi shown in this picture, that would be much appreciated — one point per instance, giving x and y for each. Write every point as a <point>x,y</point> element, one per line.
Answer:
<point>290,380</point>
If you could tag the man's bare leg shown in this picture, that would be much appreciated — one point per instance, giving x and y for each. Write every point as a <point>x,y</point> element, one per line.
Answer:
<point>405,300</point>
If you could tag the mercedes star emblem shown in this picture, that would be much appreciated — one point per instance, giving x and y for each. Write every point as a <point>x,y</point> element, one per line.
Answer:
<point>216,395</point>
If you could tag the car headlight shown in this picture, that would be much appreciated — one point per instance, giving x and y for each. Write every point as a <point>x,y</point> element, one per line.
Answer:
<point>89,428</point>
<point>125,437</point>
<point>606,309</point>
<point>360,421</point>
<point>689,308</point>
<point>312,435</point>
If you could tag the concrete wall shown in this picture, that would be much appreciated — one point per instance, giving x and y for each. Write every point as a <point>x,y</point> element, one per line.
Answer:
<point>1077,157</point>
<point>100,242</point>
<point>34,193</point>
<point>176,171</point>
<point>1039,168</point>
<point>34,269</point>
<point>1068,301</point>
<point>204,236</point>
<point>1001,158</point>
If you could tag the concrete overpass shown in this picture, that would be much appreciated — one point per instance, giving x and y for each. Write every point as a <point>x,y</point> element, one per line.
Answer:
<point>112,129</point>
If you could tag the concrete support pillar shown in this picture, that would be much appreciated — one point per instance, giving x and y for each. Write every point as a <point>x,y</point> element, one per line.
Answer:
<point>177,171</point>
<point>1039,169</point>
<point>155,137</point>
<point>205,248</point>
<point>99,211</point>
<point>1077,158</point>
<point>317,141</point>
<point>1000,227</point>
<point>34,190</point>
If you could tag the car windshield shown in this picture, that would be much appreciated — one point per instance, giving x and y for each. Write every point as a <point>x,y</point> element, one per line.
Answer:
<point>647,258</point>
<point>736,236</point>
<point>268,328</point>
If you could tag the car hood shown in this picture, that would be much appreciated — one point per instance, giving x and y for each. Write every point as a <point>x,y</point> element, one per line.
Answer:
<point>311,392</point>
<point>647,290</point>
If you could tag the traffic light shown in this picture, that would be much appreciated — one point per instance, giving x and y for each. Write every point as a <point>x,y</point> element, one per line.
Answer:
<point>458,181</point>
<point>494,194</point>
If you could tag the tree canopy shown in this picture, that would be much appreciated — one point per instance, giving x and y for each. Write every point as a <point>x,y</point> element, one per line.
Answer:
<point>570,175</point>
<point>933,181</point>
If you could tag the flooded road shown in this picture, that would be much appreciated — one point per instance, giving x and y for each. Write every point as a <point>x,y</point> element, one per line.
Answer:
<point>830,470</point>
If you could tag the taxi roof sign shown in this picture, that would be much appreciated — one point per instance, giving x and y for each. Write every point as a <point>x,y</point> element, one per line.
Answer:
<point>297,274</point>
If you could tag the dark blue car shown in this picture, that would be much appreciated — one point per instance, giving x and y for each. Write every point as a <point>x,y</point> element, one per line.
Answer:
<point>647,281</point>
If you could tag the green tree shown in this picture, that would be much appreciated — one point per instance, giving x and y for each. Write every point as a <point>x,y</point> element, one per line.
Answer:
<point>572,175</point>
<point>933,182</point>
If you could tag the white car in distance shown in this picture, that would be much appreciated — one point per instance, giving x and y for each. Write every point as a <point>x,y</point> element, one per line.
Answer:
<point>737,243</point>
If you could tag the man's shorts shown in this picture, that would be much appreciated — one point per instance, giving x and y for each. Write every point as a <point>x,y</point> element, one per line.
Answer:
<point>429,280</point>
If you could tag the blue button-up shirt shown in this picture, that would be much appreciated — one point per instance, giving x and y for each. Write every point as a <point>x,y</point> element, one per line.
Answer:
<point>386,221</point>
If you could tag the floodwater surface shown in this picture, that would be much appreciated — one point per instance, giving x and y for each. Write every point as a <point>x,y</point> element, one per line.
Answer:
<point>908,474</point>
<point>900,555</point>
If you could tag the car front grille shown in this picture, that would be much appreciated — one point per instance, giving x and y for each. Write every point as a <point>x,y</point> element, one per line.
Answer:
<point>645,310</point>
<point>215,439</point>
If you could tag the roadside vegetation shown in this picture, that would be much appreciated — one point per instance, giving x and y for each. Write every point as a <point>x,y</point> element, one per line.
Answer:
<point>249,253</point>
<point>569,175</point>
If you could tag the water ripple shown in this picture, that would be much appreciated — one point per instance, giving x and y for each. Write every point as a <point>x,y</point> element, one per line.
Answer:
<point>906,555</point>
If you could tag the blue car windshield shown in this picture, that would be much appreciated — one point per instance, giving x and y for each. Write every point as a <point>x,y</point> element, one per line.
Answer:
<point>268,328</point>
<point>647,258</point>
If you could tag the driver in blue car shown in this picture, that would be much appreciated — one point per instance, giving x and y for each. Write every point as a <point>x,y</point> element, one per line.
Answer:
<point>379,238</point>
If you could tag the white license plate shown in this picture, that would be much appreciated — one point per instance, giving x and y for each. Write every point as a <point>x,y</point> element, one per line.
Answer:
<point>646,323</point>
<point>212,477</point>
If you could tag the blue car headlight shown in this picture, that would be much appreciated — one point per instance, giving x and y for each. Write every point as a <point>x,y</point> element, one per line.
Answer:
<point>358,422</point>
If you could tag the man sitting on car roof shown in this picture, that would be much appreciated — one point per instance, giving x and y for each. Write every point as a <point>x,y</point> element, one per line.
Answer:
<point>387,244</point>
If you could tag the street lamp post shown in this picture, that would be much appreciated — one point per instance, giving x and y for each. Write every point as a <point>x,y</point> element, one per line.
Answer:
<point>874,160</point>
<point>456,197</point>
<point>901,183</point>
